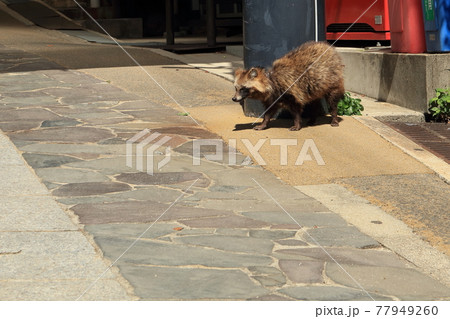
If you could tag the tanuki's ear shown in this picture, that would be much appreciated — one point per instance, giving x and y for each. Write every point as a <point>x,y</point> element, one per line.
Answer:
<point>238,72</point>
<point>253,73</point>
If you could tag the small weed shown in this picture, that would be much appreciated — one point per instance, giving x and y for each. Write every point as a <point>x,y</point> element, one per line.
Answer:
<point>183,114</point>
<point>439,106</point>
<point>349,105</point>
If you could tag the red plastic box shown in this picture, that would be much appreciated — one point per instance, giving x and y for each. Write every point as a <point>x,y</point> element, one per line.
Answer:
<point>372,25</point>
<point>407,28</point>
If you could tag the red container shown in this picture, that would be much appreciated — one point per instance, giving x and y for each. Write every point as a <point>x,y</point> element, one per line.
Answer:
<point>407,28</point>
<point>373,22</point>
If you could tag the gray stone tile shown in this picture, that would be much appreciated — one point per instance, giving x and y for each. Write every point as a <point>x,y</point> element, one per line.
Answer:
<point>32,213</point>
<point>303,271</point>
<point>155,283</point>
<point>168,178</point>
<point>328,293</point>
<point>149,252</point>
<point>303,219</point>
<point>90,188</point>
<point>272,297</point>
<point>73,148</point>
<point>61,122</point>
<point>291,242</point>
<point>109,166</point>
<point>37,160</point>
<point>77,134</point>
<point>349,256</point>
<point>68,175</point>
<point>225,222</point>
<point>139,211</point>
<point>229,243</point>
<point>340,236</point>
<point>132,231</point>
<point>35,114</point>
<point>269,281</point>
<point>406,284</point>
<point>271,234</point>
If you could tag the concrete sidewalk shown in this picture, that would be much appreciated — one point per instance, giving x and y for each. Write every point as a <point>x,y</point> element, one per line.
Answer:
<point>214,231</point>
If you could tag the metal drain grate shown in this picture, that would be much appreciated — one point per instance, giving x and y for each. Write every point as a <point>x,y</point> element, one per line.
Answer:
<point>434,137</point>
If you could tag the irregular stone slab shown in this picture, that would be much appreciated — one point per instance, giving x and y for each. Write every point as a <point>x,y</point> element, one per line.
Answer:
<point>132,231</point>
<point>162,195</point>
<point>33,213</point>
<point>340,236</point>
<point>19,126</point>
<point>74,148</point>
<point>329,293</point>
<point>269,281</point>
<point>37,160</point>
<point>68,175</point>
<point>225,222</point>
<point>169,178</point>
<point>303,271</point>
<point>156,283</point>
<point>77,134</point>
<point>190,132</point>
<point>151,252</point>
<point>349,256</point>
<point>58,123</point>
<point>108,166</point>
<point>92,188</point>
<point>37,100</point>
<point>270,298</point>
<point>301,218</point>
<point>139,211</point>
<point>271,234</point>
<point>406,284</point>
<point>230,243</point>
<point>34,114</point>
<point>291,242</point>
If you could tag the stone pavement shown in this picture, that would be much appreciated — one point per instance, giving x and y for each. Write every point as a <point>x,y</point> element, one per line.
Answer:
<point>187,232</point>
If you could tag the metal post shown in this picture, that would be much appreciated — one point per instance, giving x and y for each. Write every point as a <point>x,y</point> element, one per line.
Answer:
<point>211,22</point>
<point>170,39</point>
<point>273,28</point>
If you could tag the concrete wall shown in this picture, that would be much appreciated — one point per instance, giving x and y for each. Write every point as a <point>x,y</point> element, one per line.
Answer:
<point>407,80</point>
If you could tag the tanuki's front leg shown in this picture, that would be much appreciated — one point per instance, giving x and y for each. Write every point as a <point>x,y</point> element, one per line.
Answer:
<point>267,116</point>
<point>297,121</point>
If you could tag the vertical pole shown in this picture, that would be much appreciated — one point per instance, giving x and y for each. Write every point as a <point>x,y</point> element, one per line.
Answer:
<point>211,22</point>
<point>170,39</point>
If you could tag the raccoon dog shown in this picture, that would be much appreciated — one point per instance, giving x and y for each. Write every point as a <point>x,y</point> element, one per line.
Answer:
<point>303,76</point>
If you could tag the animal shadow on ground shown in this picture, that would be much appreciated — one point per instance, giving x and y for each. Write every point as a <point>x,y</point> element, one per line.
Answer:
<point>284,123</point>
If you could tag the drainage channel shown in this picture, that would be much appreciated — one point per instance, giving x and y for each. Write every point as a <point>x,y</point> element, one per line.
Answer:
<point>434,137</point>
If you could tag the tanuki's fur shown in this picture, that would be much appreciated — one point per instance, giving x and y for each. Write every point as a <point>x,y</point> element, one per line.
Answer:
<point>306,74</point>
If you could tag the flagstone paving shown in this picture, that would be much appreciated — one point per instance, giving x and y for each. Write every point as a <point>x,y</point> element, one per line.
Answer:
<point>184,232</point>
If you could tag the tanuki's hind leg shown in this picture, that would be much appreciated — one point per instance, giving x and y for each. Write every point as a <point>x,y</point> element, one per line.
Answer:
<point>333,99</point>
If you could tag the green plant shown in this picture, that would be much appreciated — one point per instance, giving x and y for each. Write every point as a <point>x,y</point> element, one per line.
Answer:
<point>349,105</point>
<point>440,105</point>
